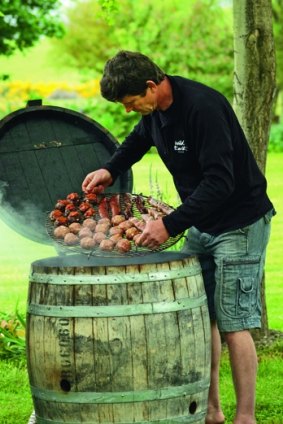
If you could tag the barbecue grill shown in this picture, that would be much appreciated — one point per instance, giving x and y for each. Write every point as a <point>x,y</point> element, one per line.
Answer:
<point>135,250</point>
<point>120,333</point>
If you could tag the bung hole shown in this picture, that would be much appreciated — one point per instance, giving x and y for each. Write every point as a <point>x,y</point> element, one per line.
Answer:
<point>65,385</point>
<point>192,407</point>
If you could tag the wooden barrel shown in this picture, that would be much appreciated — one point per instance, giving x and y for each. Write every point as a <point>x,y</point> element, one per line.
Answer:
<point>118,340</point>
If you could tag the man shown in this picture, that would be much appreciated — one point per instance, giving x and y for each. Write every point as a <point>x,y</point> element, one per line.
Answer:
<point>224,203</point>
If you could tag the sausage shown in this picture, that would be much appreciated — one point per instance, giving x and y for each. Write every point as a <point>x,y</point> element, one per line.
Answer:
<point>114,205</point>
<point>140,204</point>
<point>128,205</point>
<point>103,208</point>
<point>161,206</point>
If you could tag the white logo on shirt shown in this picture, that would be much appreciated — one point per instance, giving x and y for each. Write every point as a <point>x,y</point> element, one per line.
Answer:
<point>180,146</point>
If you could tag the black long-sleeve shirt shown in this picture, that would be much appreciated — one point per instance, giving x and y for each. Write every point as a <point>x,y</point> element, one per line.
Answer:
<point>204,148</point>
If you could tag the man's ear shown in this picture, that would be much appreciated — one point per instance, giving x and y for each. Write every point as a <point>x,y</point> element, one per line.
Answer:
<point>151,84</point>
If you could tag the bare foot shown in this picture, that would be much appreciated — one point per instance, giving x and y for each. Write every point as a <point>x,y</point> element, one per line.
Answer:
<point>214,417</point>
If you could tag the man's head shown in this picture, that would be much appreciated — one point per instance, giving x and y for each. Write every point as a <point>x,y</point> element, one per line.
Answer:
<point>128,77</point>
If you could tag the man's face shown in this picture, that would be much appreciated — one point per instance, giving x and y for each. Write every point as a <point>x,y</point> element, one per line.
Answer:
<point>141,104</point>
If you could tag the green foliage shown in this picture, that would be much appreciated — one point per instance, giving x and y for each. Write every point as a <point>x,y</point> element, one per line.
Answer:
<point>277,7</point>
<point>110,9</point>
<point>12,336</point>
<point>276,138</point>
<point>24,23</point>
<point>111,116</point>
<point>171,32</point>
<point>88,37</point>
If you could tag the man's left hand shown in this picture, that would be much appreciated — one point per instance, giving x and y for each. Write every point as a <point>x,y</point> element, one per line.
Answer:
<point>153,235</point>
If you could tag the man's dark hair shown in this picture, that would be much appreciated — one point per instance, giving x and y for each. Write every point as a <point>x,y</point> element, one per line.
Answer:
<point>126,74</point>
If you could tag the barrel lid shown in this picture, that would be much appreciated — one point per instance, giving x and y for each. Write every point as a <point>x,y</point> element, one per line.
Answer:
<point>45,153</point>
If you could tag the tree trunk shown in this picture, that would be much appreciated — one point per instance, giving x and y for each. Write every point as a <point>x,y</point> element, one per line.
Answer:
<point>254,82</point>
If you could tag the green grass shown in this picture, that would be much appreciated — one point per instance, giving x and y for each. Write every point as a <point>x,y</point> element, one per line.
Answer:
<point>274,271</point>
<point>269,386</point>
<point>16,404</point>
<point>15,399</point>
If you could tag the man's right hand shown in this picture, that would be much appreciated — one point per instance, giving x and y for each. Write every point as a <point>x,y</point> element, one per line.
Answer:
<point>97,181</point>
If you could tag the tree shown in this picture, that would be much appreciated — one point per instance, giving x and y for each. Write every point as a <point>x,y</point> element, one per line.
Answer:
<point>23,22</point>
<point>254,80</point>
<point>177,41</point>
<point>277,6</point>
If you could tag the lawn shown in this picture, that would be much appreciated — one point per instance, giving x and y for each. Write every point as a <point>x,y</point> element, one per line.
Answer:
<point>16,404</point>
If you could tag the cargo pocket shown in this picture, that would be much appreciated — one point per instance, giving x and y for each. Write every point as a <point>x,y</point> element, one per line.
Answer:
<point>239,287</point>
<point>246,294</point>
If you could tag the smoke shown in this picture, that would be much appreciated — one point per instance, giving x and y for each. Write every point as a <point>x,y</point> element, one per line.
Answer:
<point>3,185</point>
<point>25,218</point>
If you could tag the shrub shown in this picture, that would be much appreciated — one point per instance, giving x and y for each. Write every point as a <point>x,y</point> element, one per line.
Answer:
<point>276,138</point>
<point>111,116</point>
<point>12,336</point>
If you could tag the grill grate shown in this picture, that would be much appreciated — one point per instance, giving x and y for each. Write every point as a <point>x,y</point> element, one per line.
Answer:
<point>138,202</point>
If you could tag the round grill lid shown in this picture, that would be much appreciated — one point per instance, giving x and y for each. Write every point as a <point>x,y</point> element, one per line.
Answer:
<point>45,153</point>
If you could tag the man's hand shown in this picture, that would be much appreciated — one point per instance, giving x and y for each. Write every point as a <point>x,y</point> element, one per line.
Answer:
<point>97,181</point>
<point>153,235</point>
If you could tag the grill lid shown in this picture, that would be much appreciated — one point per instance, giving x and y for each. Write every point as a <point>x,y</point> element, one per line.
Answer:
<point>45,152</point>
